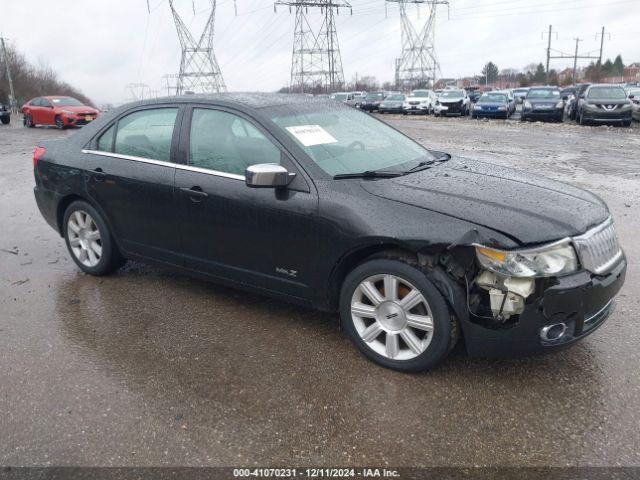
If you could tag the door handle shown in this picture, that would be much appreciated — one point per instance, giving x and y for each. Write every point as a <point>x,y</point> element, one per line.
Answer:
<point>195,193</point>
<point>98,174</point>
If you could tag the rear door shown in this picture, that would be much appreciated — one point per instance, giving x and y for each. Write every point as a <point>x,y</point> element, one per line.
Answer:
<point>258,236</point>
<point>130,175</point>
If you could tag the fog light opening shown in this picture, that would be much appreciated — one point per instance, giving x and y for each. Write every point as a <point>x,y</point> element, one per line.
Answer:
<point>553,332</point>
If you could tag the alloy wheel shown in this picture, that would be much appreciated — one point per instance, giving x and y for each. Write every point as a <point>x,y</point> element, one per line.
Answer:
<point>84,238</point>
<point>392,317</point>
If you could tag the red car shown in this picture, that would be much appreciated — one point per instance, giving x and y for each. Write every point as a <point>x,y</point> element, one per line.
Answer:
<point>62,112</point>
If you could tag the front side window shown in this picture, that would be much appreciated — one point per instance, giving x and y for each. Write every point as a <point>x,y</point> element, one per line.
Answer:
<point>345,141</point>
<point>147,134</point>
<point>224,142</point>
<point>66,102</point>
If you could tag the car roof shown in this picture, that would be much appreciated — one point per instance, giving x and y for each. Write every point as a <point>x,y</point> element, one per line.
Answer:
<point>252,100</point>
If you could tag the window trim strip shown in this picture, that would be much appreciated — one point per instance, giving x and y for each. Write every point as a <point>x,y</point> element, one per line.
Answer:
<point>162,163</point>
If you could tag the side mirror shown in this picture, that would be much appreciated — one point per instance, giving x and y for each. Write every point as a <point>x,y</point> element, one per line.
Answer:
<point>565,97</point>
<point>267,175</point>
<point>631,97</point>
<point>581,95</point>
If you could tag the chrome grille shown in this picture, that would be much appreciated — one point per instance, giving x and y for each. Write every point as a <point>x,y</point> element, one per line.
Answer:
<point>599,249</point>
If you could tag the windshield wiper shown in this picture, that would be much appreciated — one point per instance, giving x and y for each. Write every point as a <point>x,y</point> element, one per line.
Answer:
<point>368,174</point>
<point>443,157</point>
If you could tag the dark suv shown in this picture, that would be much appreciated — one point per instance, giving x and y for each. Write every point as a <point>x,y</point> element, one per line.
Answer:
<point>317,203</point>
<point>5,114</point>
<point>605,104</point>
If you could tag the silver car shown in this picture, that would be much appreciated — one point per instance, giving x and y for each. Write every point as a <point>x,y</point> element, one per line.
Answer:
<point>634,96</point>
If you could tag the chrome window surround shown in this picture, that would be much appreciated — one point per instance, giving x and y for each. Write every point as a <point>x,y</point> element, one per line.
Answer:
<point>162,163</point>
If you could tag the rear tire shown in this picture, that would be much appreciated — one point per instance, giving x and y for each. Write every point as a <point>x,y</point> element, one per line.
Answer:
<point>409,328</point>
<point>89,240</point>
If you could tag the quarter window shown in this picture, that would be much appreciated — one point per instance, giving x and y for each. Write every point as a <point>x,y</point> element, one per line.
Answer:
<point>105,142</point>
<point>227,143</point>
<point>146,134</point>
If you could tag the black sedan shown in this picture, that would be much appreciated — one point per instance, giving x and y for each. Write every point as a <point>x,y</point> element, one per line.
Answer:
<point>543,103</point>
<point>319,204</point>
<point>372,101</point>
<point>5,114</point>
<point>492,105</point>
<point>392,104</point>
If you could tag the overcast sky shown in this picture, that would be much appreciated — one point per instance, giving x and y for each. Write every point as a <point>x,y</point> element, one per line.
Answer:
<point>100,46</point>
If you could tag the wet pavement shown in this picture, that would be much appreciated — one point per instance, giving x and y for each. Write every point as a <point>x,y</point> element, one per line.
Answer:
<point>146,367</point>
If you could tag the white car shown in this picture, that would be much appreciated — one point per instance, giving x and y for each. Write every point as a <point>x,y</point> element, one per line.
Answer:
<point>454,102</point>
<point>634,96</point>
<point>419,101</point>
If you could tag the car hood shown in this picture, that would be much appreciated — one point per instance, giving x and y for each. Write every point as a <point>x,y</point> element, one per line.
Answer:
<point>604,101</point>
<point>492,104</point>
<point>544,101</point>
<point>528,208</point>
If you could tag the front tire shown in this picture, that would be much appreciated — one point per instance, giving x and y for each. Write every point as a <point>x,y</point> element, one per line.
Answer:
<point>60,123</point>
<point>395,316</point>
<point>89,240</point>
<point>28,121</point>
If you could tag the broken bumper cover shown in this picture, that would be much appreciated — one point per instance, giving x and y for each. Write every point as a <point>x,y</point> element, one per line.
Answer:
<point>582,301</point>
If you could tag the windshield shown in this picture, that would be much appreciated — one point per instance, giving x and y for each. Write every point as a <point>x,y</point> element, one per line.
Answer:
<point>66,102</point>
<point>610,93</point>
<point>420,93</point>
<point>343,141</point>
<point>395,98</point>
<point>451,94</point>
<point>493,98</point>
<point>339,96</point>
<point>375,96</point>
<point>544,94</point>
<point>521,90</point>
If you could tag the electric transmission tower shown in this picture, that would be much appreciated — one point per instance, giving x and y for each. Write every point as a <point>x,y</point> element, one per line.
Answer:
<point>418,65</point>
<point>199,70</point>
<point>316,64</point>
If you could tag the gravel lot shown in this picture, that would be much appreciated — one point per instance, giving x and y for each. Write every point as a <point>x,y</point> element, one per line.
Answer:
<point>146,367</point>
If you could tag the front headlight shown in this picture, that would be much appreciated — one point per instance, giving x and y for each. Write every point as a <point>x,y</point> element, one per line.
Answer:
<point>560,104</point>
<point>68,112</point>
<point>527,104</point>
<point>502,108</point>
<point>477,107</point>
<point>626,106</point>
<point>551,260</point>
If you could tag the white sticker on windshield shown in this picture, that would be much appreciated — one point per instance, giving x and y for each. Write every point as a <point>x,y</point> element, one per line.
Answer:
<point>310,135</point>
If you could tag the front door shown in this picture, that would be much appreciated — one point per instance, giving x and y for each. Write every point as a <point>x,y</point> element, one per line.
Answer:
<point>258,236</point>
<point>130,175</point>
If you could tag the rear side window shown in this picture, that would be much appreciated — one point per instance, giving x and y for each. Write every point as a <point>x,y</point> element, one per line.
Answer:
<point>145,134</point>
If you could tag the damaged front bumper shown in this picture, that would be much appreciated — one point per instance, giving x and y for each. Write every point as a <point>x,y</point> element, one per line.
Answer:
<point>567,309</point>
